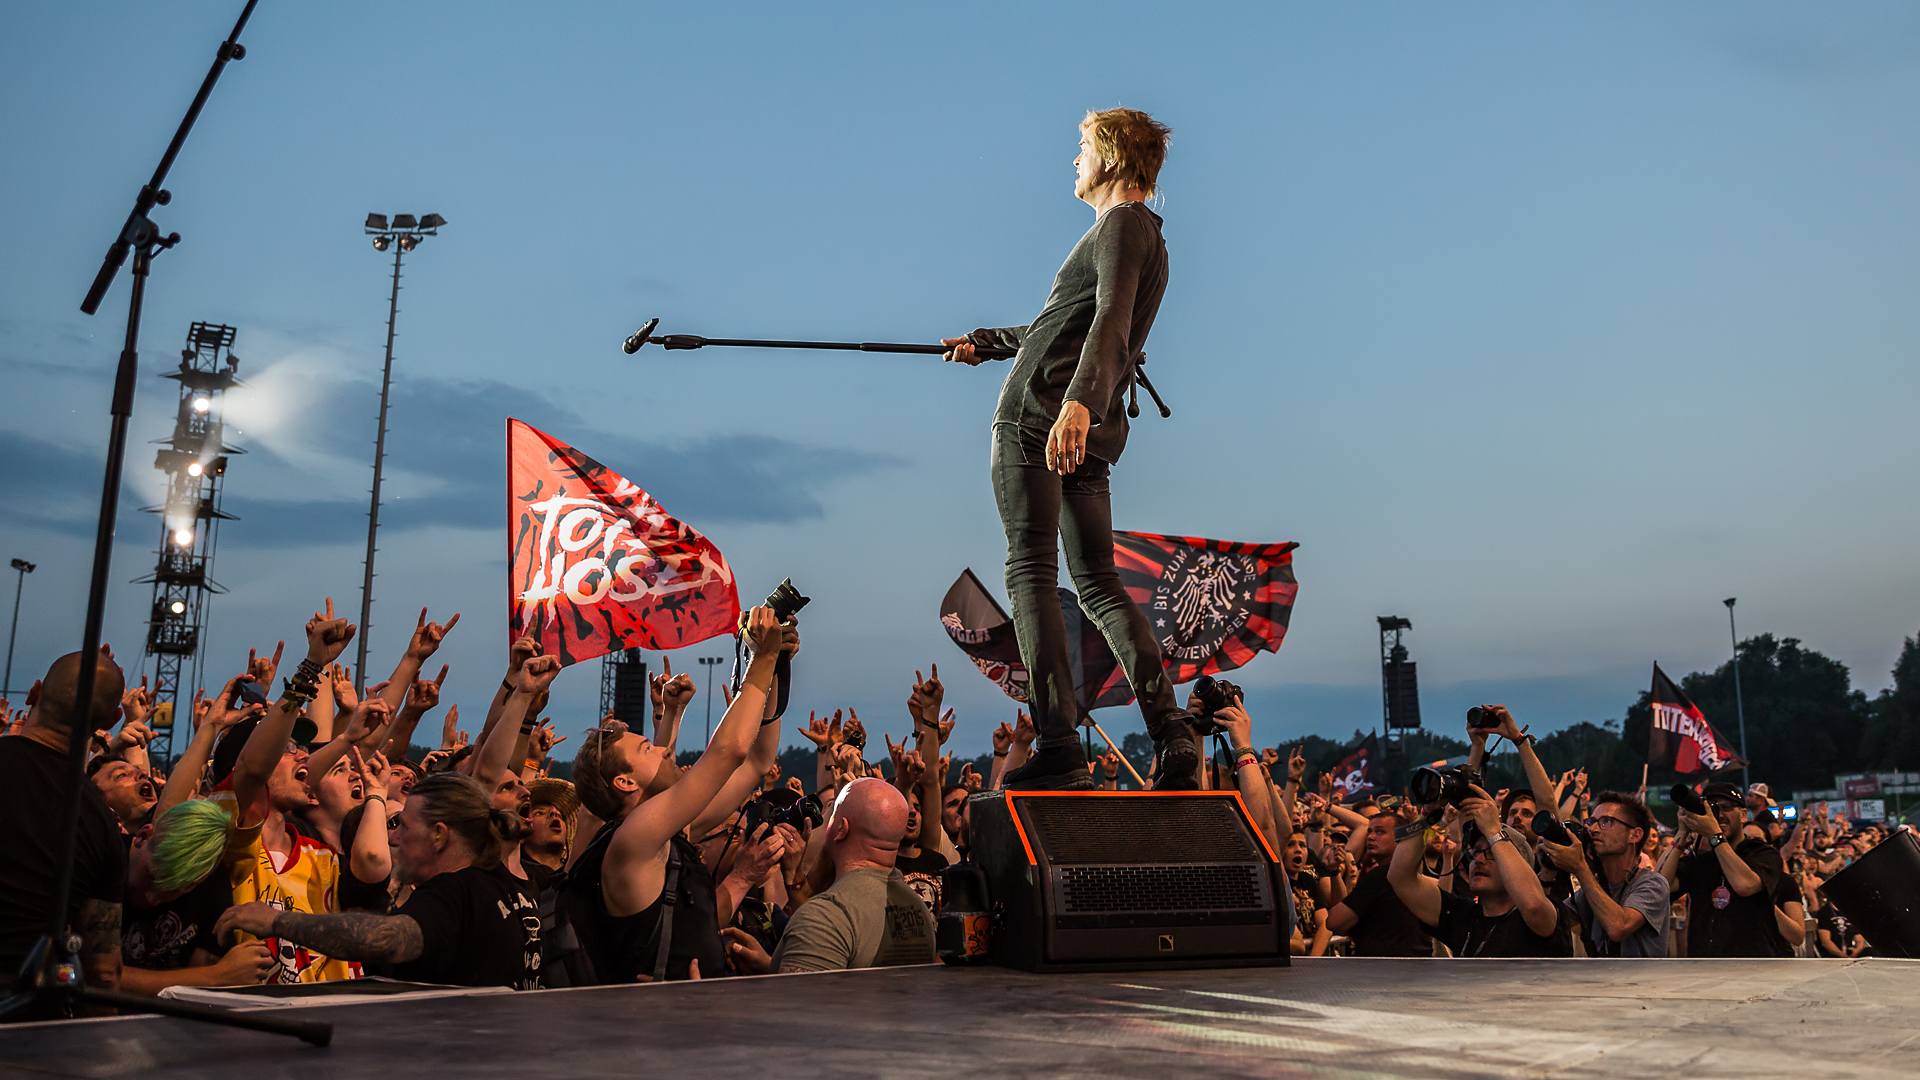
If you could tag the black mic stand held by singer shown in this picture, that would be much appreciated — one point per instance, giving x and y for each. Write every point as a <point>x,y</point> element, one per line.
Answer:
<point>52,977</point>
<point>645,335</point>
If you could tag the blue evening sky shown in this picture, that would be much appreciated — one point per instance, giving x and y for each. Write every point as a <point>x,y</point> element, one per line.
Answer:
<point>1546,326</point>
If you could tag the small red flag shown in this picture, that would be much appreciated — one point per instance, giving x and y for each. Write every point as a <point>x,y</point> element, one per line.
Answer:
<point>596,565</point>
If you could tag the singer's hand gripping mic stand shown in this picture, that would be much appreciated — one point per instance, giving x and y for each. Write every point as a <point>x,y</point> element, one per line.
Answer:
<point>690,341</point>
<point>52,977</point>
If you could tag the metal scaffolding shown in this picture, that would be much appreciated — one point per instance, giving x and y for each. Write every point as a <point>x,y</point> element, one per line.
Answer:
<point>194,459</point>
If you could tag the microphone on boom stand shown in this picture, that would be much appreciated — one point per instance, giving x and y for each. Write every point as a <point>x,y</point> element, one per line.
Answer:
<point>645,334</point>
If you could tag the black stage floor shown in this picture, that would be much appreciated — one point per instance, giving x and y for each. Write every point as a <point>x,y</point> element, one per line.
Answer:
<point>1605,1019</point>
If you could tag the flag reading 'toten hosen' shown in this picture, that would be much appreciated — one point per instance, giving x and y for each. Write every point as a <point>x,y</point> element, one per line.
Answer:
<point>597,565</point>
<point>1360,773</point>
<point>1211,604</point>
<point>1680,738</point>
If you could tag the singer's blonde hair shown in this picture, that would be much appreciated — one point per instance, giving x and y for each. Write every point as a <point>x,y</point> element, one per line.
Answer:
<point>1133,143</point>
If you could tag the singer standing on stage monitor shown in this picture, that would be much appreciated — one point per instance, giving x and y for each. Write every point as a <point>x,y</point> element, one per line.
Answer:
<point>1060,426</point>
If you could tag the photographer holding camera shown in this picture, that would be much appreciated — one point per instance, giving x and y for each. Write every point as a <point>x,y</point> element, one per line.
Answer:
<point>862,912</point>
<point>1509,915</point>
<point>1622,909</point>
<point>1729,882</point>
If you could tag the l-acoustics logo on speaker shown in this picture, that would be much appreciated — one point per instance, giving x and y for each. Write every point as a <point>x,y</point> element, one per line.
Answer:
<point>1166,942</point>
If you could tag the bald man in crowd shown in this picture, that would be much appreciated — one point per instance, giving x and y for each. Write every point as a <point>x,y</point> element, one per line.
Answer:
<point>34,781</point>
<point>867,916</point>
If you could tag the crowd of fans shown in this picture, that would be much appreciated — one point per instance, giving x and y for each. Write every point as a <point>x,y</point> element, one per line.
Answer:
<point>295,840</point>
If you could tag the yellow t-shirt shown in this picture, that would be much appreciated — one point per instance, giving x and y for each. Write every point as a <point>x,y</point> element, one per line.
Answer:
<point>309,882</point>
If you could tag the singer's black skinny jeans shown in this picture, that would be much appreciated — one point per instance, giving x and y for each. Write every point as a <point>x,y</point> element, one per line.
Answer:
<point>1039,508</point>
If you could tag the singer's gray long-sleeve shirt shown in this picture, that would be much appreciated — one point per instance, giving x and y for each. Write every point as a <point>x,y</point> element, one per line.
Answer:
<point>1082,345</point>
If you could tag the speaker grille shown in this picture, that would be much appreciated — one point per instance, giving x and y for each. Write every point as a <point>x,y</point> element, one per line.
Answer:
<point>1159,888</point>
<point>1122,829</point>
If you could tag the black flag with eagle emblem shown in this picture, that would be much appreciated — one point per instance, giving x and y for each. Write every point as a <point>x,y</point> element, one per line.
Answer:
<point>1211,604</point>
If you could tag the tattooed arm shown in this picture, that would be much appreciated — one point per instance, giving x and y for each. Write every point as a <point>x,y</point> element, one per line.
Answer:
<point>353,935</point>
<point>99,928</point>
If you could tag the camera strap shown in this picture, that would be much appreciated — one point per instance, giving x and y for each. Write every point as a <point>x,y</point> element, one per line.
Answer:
<point>782,677</point>
<point>663,927</point>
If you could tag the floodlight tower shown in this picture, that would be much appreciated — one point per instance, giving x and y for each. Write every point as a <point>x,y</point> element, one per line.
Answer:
<point>194,459</point>
<point>403,234</point>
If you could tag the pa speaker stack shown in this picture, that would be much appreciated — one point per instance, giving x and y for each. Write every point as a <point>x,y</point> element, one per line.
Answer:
<point>1115,881</point>
<point>1880,892</point>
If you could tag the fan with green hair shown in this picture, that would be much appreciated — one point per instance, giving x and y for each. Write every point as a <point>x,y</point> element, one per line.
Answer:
<point>188,841</point>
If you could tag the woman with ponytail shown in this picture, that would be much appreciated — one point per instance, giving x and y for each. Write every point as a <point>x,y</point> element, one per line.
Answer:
<point>468,921</point>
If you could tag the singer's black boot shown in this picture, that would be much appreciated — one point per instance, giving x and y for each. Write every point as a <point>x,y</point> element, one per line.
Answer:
<point>1179,756</point>
<point>1057,768</point>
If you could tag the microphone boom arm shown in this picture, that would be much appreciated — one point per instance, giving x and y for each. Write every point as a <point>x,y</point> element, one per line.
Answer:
<point>645,334</point>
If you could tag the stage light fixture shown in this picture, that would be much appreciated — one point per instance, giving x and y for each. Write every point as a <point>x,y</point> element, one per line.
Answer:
<point>178,607</point>
<point>196,469</point>
<point>432,221</point>
<point>376,221</point>
<point>382,243</point>
<point>183,538</point>
<point>202,404</point>
<point>409,242</point>
<point>405,221</point>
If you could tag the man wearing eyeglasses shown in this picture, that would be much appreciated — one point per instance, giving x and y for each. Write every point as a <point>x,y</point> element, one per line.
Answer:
<point>1623,907</point>
<point>1509,915</point>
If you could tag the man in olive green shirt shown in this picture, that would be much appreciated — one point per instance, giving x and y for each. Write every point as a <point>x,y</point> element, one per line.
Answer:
<point>867,917</point>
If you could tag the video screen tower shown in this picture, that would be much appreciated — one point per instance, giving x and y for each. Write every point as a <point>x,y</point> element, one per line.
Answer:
<point>195,460</point>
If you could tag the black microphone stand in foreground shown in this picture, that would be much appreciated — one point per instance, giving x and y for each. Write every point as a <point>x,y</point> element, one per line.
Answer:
<point>691,341</point>
<point>52,977</point>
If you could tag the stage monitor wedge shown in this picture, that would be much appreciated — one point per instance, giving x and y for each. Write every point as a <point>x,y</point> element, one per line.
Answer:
<point>1118,881</point>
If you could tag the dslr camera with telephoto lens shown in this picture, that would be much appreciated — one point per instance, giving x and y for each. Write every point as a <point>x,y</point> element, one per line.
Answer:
<point>1213,695</point>
<point>786,601</point>
<point>768,809</point>
<point>1686,798</point>
<point>1548,827</point>
<point>1445,785</point>
<point>1482,718</point>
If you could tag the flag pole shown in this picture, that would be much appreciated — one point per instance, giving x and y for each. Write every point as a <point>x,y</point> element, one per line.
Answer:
<point>1739,708</point>
<point>1116,750</point>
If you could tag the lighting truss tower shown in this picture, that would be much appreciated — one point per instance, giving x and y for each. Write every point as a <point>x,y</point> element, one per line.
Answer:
<point>195,460</point>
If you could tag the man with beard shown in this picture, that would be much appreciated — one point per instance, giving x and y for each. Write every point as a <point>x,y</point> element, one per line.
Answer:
<point>502,750</point>
<point>467,922</point>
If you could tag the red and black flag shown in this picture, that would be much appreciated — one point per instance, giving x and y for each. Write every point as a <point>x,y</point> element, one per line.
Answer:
<point>596,565</point>
<point>984,631</point>
<point>1680,737</point>
<point>1211,604</point>
<point>1362,772</point>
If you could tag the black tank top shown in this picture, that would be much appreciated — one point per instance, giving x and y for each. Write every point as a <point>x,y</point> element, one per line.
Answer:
<point>623,946</point>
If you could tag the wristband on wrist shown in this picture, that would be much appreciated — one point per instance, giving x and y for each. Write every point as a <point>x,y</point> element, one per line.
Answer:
<point>507,684</point>
<point>999,753</point>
